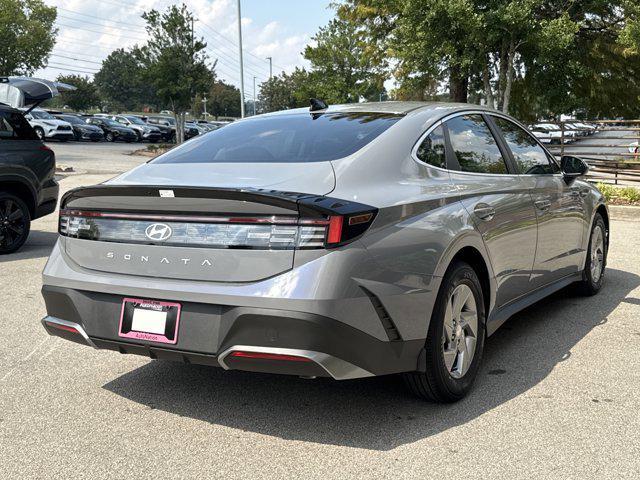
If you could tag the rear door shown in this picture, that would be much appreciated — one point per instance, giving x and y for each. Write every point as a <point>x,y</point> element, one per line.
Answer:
<point>560,212</point>
<point>19,145</point>
<point>497,199</point>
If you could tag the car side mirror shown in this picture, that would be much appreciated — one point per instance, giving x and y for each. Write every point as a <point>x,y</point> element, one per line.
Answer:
<point>573,167</point>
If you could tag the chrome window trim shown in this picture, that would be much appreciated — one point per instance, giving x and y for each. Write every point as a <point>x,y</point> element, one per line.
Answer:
<point>446,118</point>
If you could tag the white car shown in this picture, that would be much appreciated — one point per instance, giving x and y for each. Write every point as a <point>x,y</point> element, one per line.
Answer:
<point>547,133</point>
<point>48,127</point>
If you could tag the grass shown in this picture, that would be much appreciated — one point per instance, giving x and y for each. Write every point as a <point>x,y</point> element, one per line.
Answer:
<point>620,195</point>
<point>161,147</point>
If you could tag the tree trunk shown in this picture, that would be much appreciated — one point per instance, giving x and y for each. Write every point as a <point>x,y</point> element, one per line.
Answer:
<point>502,73</point>
<point>458,85</point>
<point>486,78</point>
<point>509,80</point>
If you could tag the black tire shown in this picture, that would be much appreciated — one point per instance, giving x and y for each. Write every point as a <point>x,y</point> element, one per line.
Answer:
<point>590,286</point>
<point>109,137</point>
<point>436,384</point>
<point>39,132</point>
<point>15,223</point>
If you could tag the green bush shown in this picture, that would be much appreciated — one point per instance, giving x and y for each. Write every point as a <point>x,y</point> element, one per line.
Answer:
<point>627,194</point>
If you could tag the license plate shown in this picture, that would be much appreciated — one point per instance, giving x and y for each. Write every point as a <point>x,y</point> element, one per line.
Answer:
<point>149,320</point>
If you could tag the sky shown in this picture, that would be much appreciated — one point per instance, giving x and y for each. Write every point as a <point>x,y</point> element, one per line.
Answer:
<point>90,29</point>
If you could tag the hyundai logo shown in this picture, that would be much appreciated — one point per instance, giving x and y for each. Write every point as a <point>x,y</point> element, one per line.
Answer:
<point>158,232</point>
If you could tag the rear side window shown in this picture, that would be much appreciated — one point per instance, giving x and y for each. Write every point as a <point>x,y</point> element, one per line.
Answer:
<point>474,145</point>
<point>13,126</point>
<point>529,156</point>
<point>432,149</point>
<point>284,139</point>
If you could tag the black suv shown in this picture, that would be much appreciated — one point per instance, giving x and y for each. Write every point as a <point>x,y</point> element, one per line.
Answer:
<point>168,127</point>
<point>28,189</point>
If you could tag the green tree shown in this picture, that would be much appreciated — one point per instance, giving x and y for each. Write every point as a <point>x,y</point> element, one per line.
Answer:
<point>176,61</point>
<point>224,100</point>
<point>544,51</point>
<point>27,36</point>
<point>285,91</point>
<point>340,70</point>
<point>122,81</point>
<point>83,97</point>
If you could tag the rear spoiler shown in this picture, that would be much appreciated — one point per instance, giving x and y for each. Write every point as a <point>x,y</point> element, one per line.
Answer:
<point>306,205</point>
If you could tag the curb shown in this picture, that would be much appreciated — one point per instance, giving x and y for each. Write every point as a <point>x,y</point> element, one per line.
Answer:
<point>625,212</point>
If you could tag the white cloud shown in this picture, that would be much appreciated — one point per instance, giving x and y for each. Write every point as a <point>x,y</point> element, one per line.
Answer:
<point>84,38</point>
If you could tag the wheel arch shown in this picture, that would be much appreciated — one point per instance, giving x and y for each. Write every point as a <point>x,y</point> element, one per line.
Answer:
<point>470,249</point>
<point>601,209</point>
<point>21,189</point>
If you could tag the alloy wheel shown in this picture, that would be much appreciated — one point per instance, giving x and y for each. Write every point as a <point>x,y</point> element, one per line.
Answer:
<point>13,224</point>
<point>460,331</point>
<point>597,253</point>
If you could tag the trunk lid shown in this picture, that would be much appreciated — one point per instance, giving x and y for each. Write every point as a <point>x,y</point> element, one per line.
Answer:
<point>213,218</point>
<point>315,178</point>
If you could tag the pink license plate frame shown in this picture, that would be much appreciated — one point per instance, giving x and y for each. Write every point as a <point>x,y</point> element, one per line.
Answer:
<point>172,321</point>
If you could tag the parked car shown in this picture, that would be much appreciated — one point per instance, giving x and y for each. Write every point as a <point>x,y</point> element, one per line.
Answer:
<point>167,129</point>
<point>201,129</point>
<point>48,127</point>
<point>81,129</point>
<point>113,131</point>
<point>206,126</point>
<point>169,124</point>
<point>144,131</point>
<point>547,133</point>
<point>344,242</point>
<point>28,189</point>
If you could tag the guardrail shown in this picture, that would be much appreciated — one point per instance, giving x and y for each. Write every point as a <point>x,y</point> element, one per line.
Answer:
<point>610,147</point>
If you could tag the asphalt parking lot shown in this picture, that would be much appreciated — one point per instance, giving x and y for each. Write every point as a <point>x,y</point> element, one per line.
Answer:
<point>558,395</point>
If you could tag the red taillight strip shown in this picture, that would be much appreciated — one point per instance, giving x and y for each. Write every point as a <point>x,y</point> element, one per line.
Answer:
<point>269,356</point>
<point>334,235</point>
<point>62,327</point>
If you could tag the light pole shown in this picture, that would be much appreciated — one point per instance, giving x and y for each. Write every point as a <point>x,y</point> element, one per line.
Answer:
<point>241,64</point>
<point>270,67</point>
<point>204,104</point>
<point>254,95</point>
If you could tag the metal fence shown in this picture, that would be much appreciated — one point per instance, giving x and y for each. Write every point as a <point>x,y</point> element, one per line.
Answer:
<point>610,147</point>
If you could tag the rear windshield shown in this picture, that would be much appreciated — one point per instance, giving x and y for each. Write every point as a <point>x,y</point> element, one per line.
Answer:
<point>287,139</point>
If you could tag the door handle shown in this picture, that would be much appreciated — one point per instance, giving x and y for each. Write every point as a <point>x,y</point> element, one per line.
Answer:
<point>542,205</point>
<point>484,211</point>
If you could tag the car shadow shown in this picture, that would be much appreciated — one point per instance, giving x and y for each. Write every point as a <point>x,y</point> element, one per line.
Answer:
<point>377,413</point>
<point>38,245</point>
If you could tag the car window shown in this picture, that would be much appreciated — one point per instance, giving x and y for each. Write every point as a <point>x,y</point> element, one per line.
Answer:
<point>530,157</point>
<point>13,126</point>
<point>432,149</point>
<point>474,145</point>
<point>289,138</point>
<point>42,115</point>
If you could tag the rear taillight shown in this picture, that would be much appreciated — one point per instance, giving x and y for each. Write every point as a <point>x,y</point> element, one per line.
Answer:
<point>257,232</point>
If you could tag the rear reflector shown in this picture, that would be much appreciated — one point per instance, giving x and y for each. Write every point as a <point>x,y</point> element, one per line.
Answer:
<point>269,356</point>
<point>62,327</point>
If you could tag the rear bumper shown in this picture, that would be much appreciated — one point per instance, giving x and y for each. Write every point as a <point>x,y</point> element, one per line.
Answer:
<point>209,334</point>
<point>48,199</point>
